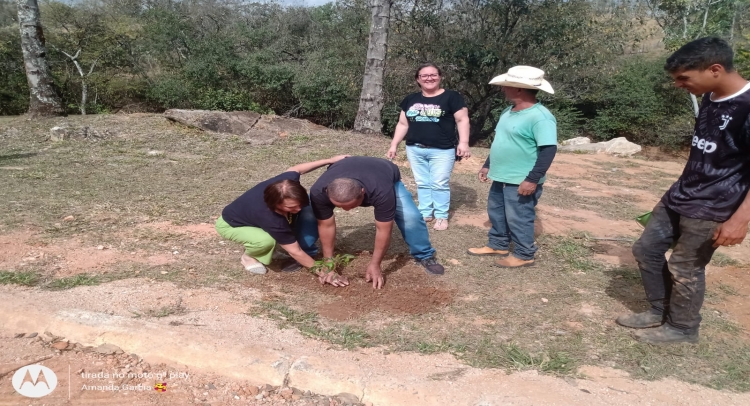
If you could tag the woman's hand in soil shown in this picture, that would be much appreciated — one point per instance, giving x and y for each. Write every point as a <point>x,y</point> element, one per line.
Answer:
<point>375,275</point>
<point>332,278</point>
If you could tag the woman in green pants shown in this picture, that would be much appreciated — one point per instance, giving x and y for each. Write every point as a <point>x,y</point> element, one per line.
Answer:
<point>277,211</point>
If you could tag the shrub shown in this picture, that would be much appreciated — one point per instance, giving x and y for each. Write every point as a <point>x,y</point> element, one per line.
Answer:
<point>640,103</point>
<point>227,100</point>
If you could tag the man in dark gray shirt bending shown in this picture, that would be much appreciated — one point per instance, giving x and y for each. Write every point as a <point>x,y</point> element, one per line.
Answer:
<point>365,181</point>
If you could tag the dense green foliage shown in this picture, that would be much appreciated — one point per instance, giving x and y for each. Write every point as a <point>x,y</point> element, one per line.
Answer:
<point>604,58</point>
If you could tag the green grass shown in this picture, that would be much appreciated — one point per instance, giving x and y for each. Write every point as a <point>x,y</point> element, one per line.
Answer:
<point>307,323</point>
<point>74,281</point>
<point>576,254</point>
<point>722,260</point>
<point>727,290</point>
<point>19,278</point>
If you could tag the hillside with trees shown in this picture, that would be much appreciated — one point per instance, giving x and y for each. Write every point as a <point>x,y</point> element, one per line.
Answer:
<point>605,58</point>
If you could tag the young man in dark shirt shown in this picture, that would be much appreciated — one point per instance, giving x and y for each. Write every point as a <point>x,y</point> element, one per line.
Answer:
<point>365,181</point>
<point>707,207</point>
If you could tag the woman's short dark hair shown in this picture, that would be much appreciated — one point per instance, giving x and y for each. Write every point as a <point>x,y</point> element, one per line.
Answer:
<point>276,192</point>
<point>700,55</point>
<point>427,65</point>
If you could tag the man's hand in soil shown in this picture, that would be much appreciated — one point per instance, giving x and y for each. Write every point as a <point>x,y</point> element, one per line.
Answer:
<point>374,275</point>
<point>483,174</point>
<point>526,188</point>
<point>332,278</point>
<point>731,232</point>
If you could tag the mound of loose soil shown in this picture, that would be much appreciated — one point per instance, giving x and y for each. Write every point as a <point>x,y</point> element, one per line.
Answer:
<point>408,289</point>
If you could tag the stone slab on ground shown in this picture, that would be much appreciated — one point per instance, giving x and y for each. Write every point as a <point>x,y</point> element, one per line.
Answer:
<point>255,128</point>
<point>371,374</point>
<point>617,146</point>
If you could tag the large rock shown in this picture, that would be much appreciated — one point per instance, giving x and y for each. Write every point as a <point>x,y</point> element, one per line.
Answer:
<point>577,141</point>
<point>236,122</point>
<point>65,132</point>
<point>59,134</point>
<point>618,146</point>
<point>255,128</point>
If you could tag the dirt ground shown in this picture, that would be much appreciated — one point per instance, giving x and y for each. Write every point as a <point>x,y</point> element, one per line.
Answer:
<point>86,376</point>
<point>109,218</point>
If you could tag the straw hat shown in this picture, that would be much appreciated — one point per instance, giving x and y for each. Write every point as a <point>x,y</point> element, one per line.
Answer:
<point>526,77</point>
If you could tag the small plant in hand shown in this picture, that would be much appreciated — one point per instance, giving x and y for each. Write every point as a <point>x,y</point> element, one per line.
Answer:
<point>327,265</point>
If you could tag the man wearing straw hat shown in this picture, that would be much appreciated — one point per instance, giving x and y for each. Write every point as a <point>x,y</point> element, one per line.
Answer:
<point>522,151</point>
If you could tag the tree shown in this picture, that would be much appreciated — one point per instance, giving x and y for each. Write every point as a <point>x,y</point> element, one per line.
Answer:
<point>84,87</point>
<point>44,101</point>
<point>371,99</point>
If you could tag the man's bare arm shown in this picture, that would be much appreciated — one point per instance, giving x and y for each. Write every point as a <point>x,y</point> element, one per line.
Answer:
<point>382,242</point>
<point>327,232</point>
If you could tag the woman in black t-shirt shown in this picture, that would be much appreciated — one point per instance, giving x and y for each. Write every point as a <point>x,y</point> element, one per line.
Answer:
<point>429,120</point>
<point>277,211</point>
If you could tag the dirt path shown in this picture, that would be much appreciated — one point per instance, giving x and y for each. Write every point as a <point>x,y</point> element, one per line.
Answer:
<point>200,354</point>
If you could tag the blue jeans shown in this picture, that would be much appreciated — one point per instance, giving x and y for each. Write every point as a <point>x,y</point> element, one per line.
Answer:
<point>512,217</point>
<point>411,224</point>
<point>306,230</point>
<point>432,172</point>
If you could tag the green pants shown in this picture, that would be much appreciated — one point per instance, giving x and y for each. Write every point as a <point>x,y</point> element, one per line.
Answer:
<point>258,243</point>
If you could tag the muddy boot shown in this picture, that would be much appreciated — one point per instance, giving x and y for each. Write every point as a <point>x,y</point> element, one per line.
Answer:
<point>649,318</point>
<point>666,334</point>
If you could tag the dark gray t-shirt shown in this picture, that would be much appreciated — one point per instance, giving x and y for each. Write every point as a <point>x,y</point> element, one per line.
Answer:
<point>249,210</point>
<point>716,178</point>
<point>377,177</point>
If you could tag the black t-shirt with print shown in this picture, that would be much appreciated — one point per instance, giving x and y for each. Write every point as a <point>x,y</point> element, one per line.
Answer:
<point>377,177</point>
<point>249,210</point>
<point>431,120</point>
<point>716,178</point>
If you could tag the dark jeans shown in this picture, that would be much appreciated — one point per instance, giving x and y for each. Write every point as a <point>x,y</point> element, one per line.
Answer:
<point>675,287</point>
<point>512,217</point>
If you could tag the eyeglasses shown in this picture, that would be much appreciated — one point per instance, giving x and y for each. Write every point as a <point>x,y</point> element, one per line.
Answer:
<point>430,76</point>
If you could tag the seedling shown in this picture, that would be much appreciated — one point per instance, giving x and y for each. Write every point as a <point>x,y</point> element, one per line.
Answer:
<point>328,265</point>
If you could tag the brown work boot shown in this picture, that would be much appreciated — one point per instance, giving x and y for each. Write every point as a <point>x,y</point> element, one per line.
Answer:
<point>513,262</point>
<point>487,251</point>
<point>666,334</point>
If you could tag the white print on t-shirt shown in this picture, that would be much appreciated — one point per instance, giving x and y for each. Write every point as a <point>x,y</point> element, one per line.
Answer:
<point>706,146</point>
<point>425,112</point>
<point>726,119</point>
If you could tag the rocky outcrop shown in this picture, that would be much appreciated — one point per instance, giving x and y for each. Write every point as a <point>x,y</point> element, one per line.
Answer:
<point>257,129</point>
<point>617,146</point>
